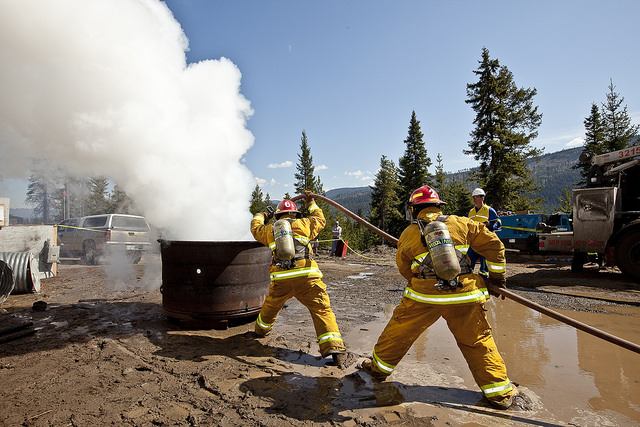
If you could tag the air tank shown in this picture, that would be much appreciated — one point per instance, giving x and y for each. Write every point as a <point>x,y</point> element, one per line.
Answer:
<point>285,248</point>
<point>442,250</point>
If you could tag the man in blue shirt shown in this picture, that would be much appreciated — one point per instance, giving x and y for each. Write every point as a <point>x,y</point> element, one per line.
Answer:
<point>489,217</point>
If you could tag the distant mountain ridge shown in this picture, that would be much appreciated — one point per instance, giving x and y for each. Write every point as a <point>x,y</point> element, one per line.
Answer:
<point>552,172</point>
<point>25,213</point>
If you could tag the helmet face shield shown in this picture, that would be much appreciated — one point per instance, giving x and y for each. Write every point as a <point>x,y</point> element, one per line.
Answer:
<point>408,215</point>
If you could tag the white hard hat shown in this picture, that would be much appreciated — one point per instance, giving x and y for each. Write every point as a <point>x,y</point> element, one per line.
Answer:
<point>478,192</point>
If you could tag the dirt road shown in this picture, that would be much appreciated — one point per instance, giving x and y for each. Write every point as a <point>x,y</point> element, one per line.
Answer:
<point>104,353</point>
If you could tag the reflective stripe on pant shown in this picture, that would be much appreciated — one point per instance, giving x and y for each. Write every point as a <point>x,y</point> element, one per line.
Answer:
<point>467,322</point>
<point>311,292</point>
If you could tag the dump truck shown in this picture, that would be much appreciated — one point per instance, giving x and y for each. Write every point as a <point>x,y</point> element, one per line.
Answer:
<point>606,215</point>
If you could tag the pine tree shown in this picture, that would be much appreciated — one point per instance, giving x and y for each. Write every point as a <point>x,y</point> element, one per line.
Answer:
<point>565,201</point>
<point>413,170</point>
<point>618,130</point>
<point>605,132</point>
<point>593,142</point>
<point>506,122</point>
<point>458,199</point>
<point>97,201</point>
<point>413,166</point>
<point>384,196</point>
<point>306,181</point>
<point>120,202</point>
<point>40,194</point>
<point>257,204</point>
<point>440,185</point>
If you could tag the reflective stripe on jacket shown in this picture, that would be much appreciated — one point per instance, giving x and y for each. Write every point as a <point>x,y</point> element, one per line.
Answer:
<point>465,233</point>
<point>304,229</point>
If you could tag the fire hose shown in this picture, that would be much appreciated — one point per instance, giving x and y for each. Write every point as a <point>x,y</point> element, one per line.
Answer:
<point>501,291</point>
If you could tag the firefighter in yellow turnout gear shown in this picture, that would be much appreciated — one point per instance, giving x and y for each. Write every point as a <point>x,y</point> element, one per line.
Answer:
<point>301,278</point>
<point>460,303</point>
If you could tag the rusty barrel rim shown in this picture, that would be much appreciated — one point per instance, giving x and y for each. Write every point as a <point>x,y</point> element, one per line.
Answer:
<point>213,280</point>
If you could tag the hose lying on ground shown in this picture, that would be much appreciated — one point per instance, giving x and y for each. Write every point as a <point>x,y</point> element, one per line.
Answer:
<point>502,291</point>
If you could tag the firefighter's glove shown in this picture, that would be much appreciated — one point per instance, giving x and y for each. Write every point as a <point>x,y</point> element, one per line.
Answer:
<point>308,197</point>
<point>498,282</point>
<point>268,214</point>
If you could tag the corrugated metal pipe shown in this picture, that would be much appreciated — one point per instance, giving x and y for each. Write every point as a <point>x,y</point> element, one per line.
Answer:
<point>502,291</point>
<point>6,281</point>
<point>25,271</point>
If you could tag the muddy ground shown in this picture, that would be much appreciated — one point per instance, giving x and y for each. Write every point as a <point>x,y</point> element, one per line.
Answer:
<point>102,352</point>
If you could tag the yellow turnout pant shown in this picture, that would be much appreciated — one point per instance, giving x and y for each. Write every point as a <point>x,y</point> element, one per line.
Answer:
<point>311,292</point>
<point>469,325</point>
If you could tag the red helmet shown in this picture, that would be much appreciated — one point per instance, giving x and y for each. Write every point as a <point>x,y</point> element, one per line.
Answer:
<point>286,207</point>
<point>425,195</point>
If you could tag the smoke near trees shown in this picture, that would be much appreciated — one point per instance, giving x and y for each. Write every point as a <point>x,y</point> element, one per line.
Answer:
<point>55,198</point>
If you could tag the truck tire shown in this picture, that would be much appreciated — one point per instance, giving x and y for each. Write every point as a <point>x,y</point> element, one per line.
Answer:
<point>627,254</point>
<point>578,261</point>
<point>135,257</point>
<point>89,252</point>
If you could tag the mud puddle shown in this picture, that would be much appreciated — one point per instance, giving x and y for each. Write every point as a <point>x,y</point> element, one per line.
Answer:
<point>570,376</point>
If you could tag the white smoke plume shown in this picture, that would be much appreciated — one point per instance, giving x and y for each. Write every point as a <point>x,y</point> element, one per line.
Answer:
<point>102,88</point>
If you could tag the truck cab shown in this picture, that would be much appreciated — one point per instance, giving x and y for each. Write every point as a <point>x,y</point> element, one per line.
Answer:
<point>98,237</point>
<point>606,215</point>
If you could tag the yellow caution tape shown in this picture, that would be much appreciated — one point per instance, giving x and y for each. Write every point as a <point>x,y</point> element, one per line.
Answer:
<point>533,230</point>
<point>80,228</point>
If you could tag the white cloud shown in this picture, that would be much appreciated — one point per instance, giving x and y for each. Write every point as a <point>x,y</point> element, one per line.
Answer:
<point>286,164</point>
<point>260,181</point>
<point>356,174</point>
<point>321,167</point>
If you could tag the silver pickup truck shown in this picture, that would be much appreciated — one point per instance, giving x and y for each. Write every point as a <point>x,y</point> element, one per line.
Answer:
<point>93,238</point>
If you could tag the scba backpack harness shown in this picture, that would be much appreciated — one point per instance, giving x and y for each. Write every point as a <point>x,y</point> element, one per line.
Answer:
<point>443,262</point>
<point>288,248</point>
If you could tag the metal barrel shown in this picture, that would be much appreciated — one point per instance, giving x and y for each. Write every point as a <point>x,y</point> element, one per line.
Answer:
<point>6,281</point>
<point>209,282</point>
<point>25,271</point>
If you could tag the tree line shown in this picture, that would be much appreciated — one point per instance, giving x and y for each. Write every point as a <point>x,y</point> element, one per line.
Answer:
<point>57,197</point>
<point>505,125</point>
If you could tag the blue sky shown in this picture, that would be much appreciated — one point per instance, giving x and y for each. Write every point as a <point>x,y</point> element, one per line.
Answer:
<point>350,73</point>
